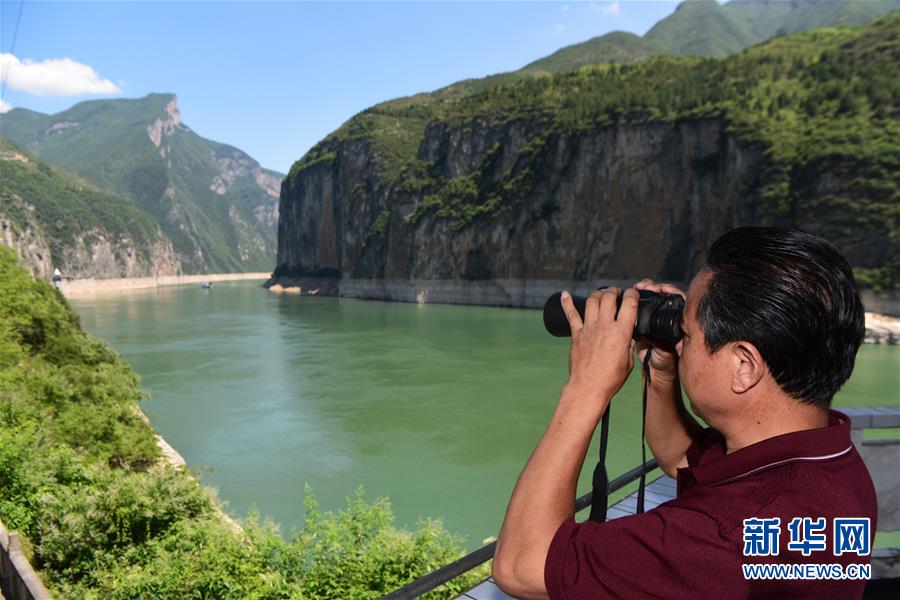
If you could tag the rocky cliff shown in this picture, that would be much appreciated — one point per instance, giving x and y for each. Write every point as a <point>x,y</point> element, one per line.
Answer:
<point>605,174</point>
<point>93,254</point>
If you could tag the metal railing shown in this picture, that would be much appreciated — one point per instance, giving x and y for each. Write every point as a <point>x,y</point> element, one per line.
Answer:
<point>485,553</point>
<point>18,581</point>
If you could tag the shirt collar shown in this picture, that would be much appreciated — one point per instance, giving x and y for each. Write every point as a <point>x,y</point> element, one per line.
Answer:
<point>824,443</point>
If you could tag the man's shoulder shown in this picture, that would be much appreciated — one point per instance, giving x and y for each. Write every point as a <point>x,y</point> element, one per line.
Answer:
<point>837,488</point>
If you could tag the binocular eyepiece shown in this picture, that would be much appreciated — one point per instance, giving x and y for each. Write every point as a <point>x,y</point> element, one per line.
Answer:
<point>658,316</point>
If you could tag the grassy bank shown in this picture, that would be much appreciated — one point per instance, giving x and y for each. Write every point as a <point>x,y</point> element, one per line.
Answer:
<point>81,478</point>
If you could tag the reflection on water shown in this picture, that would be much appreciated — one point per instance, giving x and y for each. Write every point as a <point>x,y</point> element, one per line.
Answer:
<point>437,407</point>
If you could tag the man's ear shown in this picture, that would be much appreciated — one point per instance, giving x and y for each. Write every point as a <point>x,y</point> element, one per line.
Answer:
<point>748,367</point>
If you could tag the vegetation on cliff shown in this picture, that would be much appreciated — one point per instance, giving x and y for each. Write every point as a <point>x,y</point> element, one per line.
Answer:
<point>707,28</point>
<point>820,105</point>
<point>81,478</point>
<point>65,208</point>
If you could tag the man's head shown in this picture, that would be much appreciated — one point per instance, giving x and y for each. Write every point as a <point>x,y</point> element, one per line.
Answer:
<point>777,296</point>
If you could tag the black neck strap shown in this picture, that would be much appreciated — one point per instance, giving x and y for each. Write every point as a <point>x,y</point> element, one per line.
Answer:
<point>643,483</point>
<point>600,494</point>
<point>600,484</point>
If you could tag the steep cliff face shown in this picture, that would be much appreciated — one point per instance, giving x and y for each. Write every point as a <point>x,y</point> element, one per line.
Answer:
<point>620,202</point>
<point>30,246</point>
<point>94,254</point>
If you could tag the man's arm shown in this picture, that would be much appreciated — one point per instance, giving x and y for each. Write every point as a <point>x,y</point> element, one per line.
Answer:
<point>670,428</point>
<point>544,497</point>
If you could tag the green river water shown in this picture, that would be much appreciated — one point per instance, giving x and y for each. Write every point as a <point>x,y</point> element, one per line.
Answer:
<point>437,407</point>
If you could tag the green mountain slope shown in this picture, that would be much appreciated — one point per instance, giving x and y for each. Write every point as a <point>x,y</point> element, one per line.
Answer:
<point>213,201</point>
<point>56,219</point>
<point>768,18</point>
<point>706,28</point>
<point>701,28</point>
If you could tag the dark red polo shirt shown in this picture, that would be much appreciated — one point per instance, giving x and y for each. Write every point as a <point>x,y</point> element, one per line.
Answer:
<point>692,547</point>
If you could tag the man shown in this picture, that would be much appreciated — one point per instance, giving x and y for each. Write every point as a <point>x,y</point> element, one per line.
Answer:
<point>771,329</point>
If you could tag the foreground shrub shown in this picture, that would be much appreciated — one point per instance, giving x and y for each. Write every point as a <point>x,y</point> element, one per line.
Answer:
<point>357,553</point>
<point>80,527</point>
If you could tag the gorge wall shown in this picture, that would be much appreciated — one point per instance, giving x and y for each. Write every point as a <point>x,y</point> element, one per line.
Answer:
<point>619,203</point>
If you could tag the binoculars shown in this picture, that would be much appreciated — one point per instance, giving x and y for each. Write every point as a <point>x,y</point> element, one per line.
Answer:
<point>658,316</point>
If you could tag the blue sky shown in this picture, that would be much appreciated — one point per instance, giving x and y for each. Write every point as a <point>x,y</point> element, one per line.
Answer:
<point>273,78</point>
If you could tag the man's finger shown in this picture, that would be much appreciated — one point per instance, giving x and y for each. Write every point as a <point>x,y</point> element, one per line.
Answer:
<point>592,307</point>
<point>608,304</point>
<point>659,288</point>
<point>571,312</point>
<point>668,288</point>
<point>649,284</point>
<point>628,311</point>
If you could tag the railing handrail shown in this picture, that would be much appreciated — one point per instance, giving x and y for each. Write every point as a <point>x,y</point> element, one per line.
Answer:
<point>485,553</point>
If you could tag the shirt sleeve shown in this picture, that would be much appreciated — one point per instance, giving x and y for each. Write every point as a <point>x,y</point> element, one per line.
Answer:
<point>669,552</point>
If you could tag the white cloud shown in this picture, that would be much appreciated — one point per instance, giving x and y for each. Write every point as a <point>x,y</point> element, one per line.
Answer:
<point>560,27</point>
<point>611,8</point>
<point>5,106</point>
<point>564,7</point>
<point>53,77</point>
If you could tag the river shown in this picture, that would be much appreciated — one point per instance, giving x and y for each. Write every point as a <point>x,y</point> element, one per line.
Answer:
<point>437,407</point>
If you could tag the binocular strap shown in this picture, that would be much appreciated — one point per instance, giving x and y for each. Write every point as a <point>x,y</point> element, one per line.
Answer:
<point>600,483</point>
<point>642,485</point>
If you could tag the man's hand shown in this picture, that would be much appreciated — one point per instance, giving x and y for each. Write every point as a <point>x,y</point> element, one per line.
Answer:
<point>663,360</point>
<point>602,353</point>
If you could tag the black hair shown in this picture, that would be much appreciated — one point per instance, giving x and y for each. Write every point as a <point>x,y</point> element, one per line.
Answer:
<point>792,295</point>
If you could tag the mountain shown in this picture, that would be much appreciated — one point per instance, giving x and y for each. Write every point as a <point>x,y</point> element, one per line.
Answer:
<point>55,219</point>
<point>214,202</point>
<point>604,174</point>
<point>706,28</point>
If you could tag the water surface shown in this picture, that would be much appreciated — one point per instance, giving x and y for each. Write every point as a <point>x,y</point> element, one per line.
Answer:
<point>437,407</point>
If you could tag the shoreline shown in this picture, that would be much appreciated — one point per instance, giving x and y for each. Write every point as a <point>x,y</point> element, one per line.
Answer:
<point>83,288</point>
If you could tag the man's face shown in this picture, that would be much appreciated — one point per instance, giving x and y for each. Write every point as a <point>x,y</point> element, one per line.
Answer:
<point>706,378</point>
